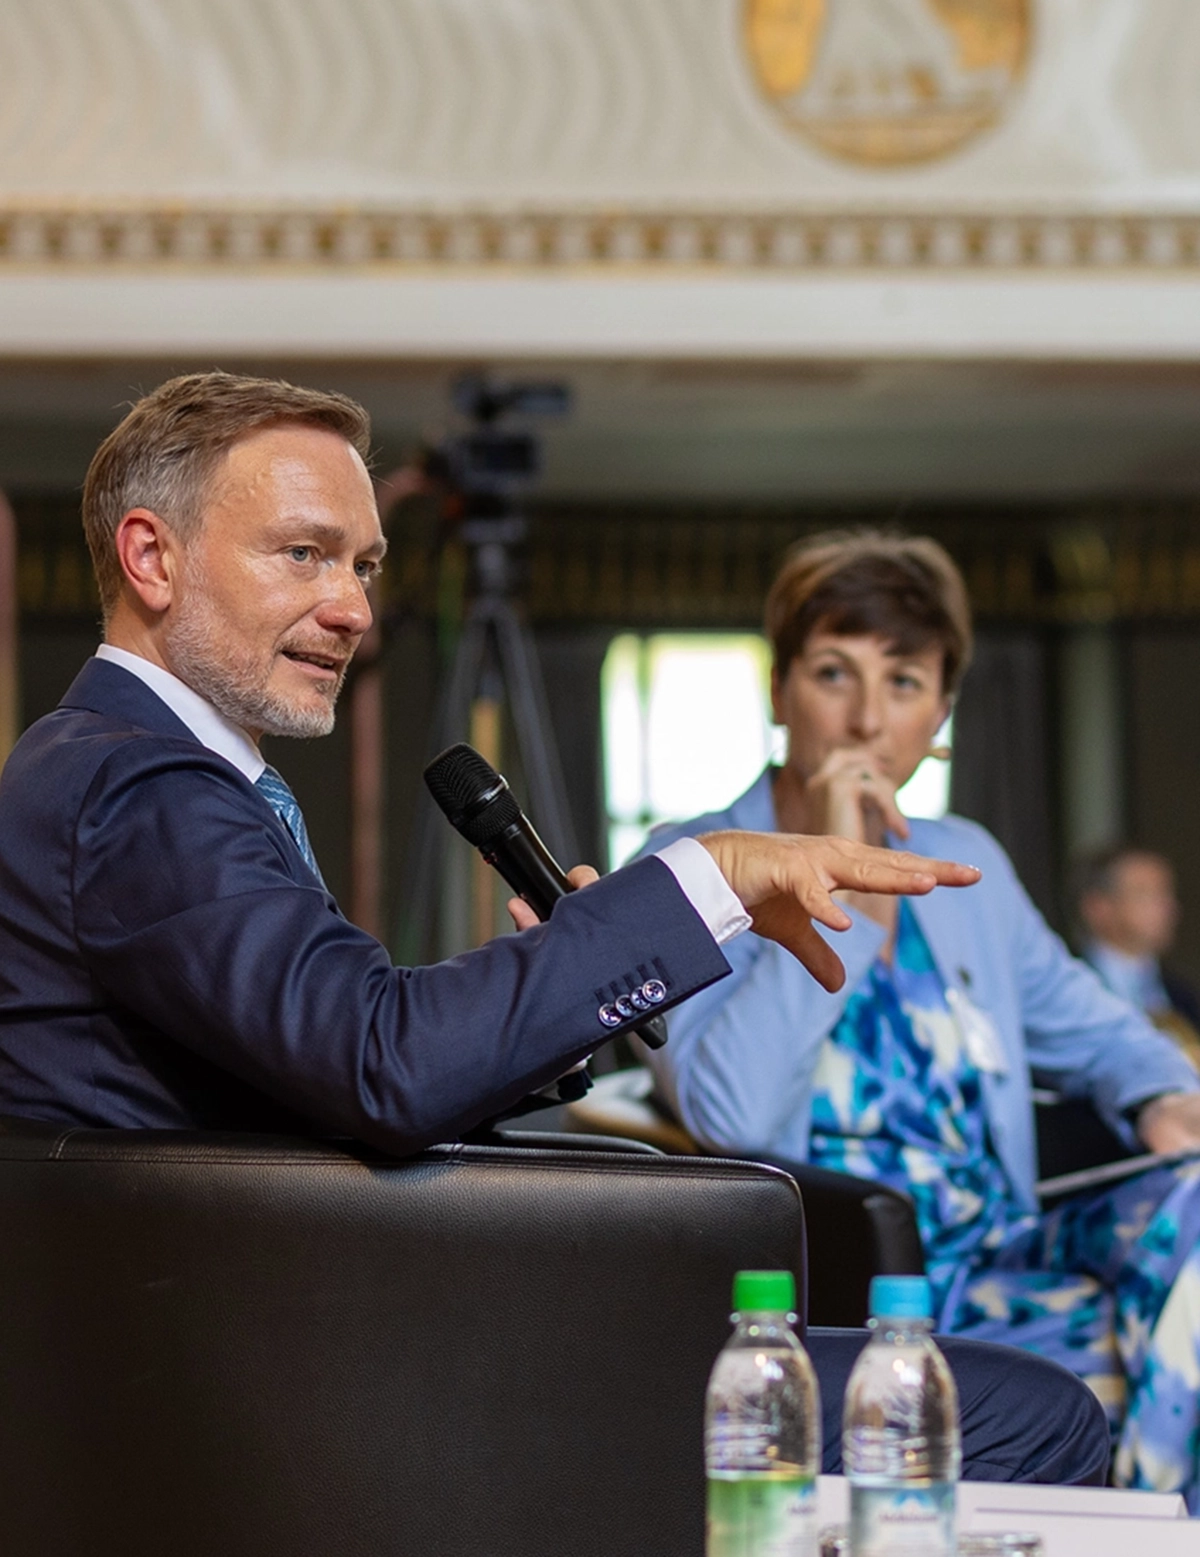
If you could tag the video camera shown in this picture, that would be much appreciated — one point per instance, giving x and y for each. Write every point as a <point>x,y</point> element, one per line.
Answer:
<point>490,461</point>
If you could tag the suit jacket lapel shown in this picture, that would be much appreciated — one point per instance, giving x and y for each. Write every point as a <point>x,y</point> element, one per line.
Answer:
<point>102,687</point>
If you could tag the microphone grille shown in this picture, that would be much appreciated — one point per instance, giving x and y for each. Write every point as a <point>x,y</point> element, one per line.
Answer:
<point>476,799</point>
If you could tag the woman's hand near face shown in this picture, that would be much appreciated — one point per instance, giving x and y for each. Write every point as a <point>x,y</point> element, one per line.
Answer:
<point>851,796</point>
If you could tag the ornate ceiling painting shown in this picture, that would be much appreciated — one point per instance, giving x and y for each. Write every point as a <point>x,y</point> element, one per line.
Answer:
<point>887,82</point>
<point>520,135</point>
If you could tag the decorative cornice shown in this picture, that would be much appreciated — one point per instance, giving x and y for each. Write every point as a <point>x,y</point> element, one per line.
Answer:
<point>701,566</point>
<point>819,241</point>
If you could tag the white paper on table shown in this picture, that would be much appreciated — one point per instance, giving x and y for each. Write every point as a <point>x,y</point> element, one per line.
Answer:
<point>1096,1535</point>
<point>1072,1521</point>
<point>1009,1497</point>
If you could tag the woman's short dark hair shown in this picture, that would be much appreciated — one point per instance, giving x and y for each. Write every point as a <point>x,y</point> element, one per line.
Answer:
<point>904,589</point>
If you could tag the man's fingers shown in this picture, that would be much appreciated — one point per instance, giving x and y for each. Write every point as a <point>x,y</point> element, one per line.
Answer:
<point>868,876</point>
<point>945,873</point>
<point>759,866</point>
<point>783,920</point>
<point>857,868</point>
<point>821,906</point>
<point>522,916</point>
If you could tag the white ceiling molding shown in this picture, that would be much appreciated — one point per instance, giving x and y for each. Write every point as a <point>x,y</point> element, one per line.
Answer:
<point>470,316</point>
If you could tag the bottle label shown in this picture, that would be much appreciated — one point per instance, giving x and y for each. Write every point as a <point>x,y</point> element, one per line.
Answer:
<point>902,1521</point>
<point>765,1515</point>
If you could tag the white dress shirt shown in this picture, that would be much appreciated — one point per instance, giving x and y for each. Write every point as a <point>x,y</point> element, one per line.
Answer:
<point>209,727</point>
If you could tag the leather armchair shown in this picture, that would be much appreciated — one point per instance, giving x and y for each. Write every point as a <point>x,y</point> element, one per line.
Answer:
<point>1071,1137</point>
<point>856,1228</point>
<point>260,1347</point>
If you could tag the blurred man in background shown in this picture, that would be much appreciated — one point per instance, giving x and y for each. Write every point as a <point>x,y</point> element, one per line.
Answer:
<point>1128,911</point>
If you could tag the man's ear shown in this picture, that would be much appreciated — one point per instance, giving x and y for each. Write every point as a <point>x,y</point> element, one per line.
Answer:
<point>147,550</point>
<point>776,688</point>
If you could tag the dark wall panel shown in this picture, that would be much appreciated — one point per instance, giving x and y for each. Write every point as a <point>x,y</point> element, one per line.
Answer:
<point>50,658</point>
<point>1164,740</point>
<point>1002,774</point>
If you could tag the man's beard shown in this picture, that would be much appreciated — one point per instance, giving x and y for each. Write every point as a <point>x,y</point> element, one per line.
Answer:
<point>236,686</point>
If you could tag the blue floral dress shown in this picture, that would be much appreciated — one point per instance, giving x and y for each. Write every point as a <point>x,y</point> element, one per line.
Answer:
<point>1108,1283</point>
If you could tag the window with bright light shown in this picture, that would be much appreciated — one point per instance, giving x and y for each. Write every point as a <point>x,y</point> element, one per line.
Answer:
<point>927,793</point>
<point>687,728</point>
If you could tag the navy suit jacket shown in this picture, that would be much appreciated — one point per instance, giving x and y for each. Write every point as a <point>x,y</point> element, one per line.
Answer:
<point>168,960</point>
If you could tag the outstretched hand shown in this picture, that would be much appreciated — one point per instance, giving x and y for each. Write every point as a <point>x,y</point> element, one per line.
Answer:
<point>785,881</point>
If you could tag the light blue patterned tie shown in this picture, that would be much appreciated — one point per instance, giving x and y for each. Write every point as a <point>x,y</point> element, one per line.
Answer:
<point>279,797</point>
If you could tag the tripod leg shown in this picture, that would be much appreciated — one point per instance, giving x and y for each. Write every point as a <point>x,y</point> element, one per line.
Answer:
<point>535,734</point>
<point>436,890</point>
<point>466,671</point>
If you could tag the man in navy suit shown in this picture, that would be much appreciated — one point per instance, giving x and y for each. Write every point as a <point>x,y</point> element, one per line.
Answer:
<point>168,953</point>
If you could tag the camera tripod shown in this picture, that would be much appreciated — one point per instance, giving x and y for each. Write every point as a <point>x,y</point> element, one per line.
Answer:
<point>494,670</point>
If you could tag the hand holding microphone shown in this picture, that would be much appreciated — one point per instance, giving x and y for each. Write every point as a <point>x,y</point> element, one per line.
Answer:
<point>478,804</point>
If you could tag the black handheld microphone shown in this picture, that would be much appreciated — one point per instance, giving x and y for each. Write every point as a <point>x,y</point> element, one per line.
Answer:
<point>479,804</point>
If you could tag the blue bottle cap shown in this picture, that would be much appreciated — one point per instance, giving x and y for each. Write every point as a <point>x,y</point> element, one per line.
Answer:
<point>901,1297</point>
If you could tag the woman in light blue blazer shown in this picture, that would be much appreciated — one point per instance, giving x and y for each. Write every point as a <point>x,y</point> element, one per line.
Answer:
<point>918,1071</point>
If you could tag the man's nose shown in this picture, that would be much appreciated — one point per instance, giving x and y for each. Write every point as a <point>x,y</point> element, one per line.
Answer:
<point>345,606</point>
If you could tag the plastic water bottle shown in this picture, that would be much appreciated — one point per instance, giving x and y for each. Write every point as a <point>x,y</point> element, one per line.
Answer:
<point>900,1437</point>
<point>762,1428</point>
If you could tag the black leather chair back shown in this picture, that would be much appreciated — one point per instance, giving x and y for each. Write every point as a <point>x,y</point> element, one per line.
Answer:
<point>856,1228</point>
<point>247,1347</point>
<point>1072,1137</point>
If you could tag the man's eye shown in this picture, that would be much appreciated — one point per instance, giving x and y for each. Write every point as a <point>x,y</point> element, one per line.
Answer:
<point>300,553</point>
<point>367,571</point>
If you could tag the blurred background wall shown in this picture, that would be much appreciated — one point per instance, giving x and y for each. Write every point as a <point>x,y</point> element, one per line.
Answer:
<point>933,263</point>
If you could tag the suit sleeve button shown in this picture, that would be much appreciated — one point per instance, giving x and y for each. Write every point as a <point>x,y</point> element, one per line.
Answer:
<point>625,1006</point>
<point>609,1016</point>
<point>655,991</point>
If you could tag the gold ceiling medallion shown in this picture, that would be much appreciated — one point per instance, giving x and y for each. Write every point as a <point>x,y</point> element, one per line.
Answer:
<point>883,82</point>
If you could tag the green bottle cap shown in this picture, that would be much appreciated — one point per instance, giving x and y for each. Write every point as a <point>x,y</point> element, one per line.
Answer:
<point>764,1292</point>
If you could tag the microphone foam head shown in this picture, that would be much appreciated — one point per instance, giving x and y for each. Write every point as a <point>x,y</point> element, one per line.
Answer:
<point>476,799</point>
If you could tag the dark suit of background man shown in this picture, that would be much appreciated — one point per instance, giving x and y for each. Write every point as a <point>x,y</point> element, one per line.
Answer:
<point>168,954</point>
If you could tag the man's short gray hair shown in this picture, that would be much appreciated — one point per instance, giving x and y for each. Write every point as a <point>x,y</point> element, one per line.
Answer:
<point>164,453</point>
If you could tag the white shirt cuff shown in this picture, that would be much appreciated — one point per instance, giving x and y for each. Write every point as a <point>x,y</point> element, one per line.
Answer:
<point>705,888</point>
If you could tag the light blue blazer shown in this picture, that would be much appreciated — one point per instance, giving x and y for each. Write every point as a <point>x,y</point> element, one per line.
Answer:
<point>739,1065</point>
